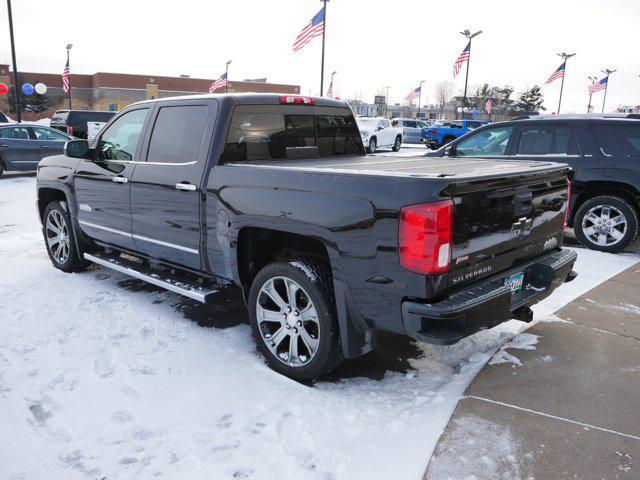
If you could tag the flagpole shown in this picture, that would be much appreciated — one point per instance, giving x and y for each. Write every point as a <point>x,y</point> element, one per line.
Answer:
<point>604,100</point>
<point>593,80</point>
<point>69,45</point>
<point>226,76</point>
<point>15,67</point>
<point>419,99</point>
<point>324,29</point>
<point>566,57</point>
<point>470,36</point>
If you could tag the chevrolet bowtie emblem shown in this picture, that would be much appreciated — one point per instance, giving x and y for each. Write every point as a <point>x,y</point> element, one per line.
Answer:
<point>522,227</point>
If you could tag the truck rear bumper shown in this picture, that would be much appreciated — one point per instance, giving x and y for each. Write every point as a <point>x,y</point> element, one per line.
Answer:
<point>489,303</point>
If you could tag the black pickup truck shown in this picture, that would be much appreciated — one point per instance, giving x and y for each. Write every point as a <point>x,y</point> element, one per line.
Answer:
<point>275,195</point>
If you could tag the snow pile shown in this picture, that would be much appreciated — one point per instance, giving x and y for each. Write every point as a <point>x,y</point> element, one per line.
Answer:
<point>103,376</point>
<point>524,341</point>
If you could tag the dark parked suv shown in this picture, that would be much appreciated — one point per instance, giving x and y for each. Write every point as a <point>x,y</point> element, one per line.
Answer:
<point>74,122</point>
<point>602,150</point>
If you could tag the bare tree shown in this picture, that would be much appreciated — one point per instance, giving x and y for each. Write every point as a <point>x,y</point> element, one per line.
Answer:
<point>443,93</point>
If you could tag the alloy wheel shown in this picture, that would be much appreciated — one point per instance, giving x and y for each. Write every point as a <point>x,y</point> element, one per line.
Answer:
<point>57,234</point>
<point>604,225</point>
<point>288,321</point>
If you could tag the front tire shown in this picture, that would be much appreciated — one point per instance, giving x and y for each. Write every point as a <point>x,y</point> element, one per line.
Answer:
<point>58,238</point>
<point>397,144</point>
<point>372,145</point>
<point>293,318</point>
<point>606,223</point>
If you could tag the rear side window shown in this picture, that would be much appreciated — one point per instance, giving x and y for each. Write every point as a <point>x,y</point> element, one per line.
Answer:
<point>619,140</point>
<point>14,133</point>
<point>547,140</point>
<point>268,135</point>
<point>178,134</point>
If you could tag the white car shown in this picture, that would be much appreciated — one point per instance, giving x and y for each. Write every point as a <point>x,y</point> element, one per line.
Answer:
<point>377,132</point>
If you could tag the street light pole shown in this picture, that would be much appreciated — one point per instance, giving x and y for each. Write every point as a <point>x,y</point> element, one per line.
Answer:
<point>593,80</point>
<point>419,99</point>
<point>226,76</point>
<point>386,100</point>
<point>565,56</point>
<point>333,95</point>
<point>608,72</point>
<point>69,45</point>
<point>470,36</point>
<point>15,66</point>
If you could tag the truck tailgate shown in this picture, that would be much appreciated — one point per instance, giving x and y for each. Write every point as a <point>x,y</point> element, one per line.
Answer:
<point>502,222</point>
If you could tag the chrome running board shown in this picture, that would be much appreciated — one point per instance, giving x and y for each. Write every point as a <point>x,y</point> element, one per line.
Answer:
<point>155,277</point>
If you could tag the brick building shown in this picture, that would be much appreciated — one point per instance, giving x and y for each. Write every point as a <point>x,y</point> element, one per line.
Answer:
<point>114,91</point>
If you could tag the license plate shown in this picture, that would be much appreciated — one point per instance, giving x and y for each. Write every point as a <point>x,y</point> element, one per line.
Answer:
<point>514,282</point>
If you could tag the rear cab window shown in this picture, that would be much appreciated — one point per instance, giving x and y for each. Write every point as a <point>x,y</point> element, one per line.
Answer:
<point>619,140</point>
<point>268,132</point>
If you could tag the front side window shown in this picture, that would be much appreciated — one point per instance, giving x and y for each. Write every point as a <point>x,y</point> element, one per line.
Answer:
<point>120,140</point>
<point>177,134</point>
<point>621,140</point>
<point>410,124</point>
<point>493,141</point>
<point>547,140</point>
<point>47,134</point>
<point>14,133</point>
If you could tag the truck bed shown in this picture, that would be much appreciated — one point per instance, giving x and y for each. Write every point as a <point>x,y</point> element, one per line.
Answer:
<point>415,167</point>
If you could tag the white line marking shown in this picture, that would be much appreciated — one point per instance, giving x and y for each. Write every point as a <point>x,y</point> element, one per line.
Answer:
<point>575,422</point>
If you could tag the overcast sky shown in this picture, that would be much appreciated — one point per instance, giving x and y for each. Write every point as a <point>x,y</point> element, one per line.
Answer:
<point>371,43</point>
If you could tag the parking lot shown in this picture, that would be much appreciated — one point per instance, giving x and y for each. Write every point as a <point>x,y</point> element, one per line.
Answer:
<point>125,380</point>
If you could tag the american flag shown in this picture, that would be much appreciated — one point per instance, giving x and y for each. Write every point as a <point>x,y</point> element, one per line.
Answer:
<point>487,105</point>
<point>413,94</point>
<point>66,75</point>
<point>330,91</point>
<point>559,73</point>
<point>599,85</point>
<point>220,82</point>
<point>312,29</point>
<point>464,57</point>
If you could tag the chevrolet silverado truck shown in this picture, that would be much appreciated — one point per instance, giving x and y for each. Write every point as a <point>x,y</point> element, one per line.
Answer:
<point>439,135</point>
<point>275,196</point>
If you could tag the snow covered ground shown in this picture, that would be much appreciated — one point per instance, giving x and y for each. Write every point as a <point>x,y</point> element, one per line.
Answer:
<point>102,377</point>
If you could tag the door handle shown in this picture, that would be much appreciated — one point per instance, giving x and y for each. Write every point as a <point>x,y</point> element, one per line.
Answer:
<point>119,179</point>
<point>5,146</point>
<point>186,187</point>
<point>45,146</point>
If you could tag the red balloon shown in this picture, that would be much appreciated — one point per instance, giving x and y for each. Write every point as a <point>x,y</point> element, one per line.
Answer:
<point>3,89</point>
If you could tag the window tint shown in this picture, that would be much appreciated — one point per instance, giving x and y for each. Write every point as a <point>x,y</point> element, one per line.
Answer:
<point>547,140</point>
<point>619,140</point>
<point>492,141</point>
<point>473,125</point>
<point>177,134</point>
<point>338,135</point>
<point>410,124</point>
<point>266,136</point>
<point>47,134</point>
<point>120,140</point>
<point>14,133</point>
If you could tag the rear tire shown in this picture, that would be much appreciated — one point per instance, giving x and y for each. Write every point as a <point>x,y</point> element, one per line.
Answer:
<point>1,167</point>
<point>397,144</point>
<point>309,318</point>
<point>59,240</point>
<point>606,223</point>
<point>372,145</point>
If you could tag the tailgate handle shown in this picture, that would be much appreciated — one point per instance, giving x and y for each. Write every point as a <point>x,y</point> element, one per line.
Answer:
<point>523,203</point>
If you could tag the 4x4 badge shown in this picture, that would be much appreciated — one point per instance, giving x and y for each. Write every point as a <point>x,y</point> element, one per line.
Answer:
<point>522,227</point>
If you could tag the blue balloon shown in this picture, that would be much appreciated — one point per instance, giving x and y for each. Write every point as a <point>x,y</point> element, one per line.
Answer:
<point>475,111</point>
<point>28,89</point>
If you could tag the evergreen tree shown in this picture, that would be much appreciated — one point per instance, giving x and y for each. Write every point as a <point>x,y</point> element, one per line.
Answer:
<point>531,100</point>
<point>35,102</point>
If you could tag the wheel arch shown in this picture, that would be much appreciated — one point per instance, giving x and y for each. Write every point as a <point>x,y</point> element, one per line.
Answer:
<point>595,189</point>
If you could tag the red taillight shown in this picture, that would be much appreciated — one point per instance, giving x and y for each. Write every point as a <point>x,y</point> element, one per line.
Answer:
<point>424,237</point>
<point>566,210</point>
<point>435,132</point>
<point>296,100</point>
<point>70,130</point>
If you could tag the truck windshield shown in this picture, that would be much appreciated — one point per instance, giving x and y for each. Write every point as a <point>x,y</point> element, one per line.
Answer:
<point>262,135</point>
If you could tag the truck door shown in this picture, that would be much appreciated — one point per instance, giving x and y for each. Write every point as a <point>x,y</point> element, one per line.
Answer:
<point>167,184</point>
<point>102,185</point>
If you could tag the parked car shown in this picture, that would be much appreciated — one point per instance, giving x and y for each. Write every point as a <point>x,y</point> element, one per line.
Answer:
<point>23,145</point>
<point>412,129</point>
<point>74,122</point>
<point>275,196</point>
<point>377,132</point>
<point>439,135</point>
<point>603,152</point>
<point>3,118</point>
